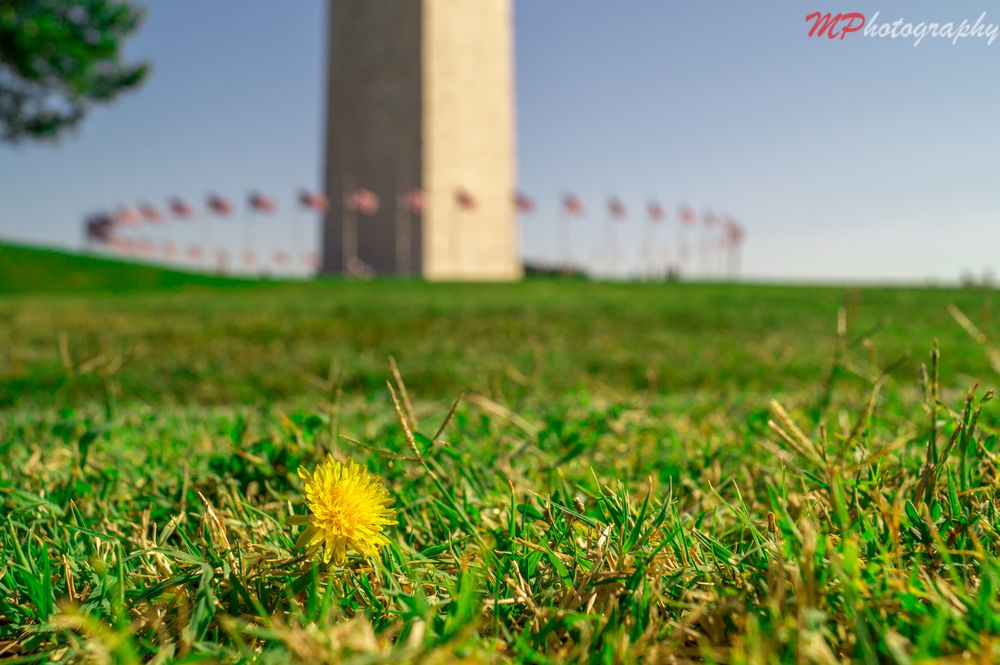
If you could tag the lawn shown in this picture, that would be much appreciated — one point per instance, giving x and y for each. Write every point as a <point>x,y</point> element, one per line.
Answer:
<point>581,472</point>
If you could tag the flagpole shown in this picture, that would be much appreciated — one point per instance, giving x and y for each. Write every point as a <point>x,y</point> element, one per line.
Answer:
<point>647,241</point>
<point>457,259</point>
<point>568,240</point>
<point>206,234</point>
<point>681,247</point>
<point>720,251</point>
<point>162,237</point>
<point>168,231</point>
<point>666,251</point>
<point>401,227</point>
<point>248,219</point>
<point>408,251</point>
<point>297,234</point>
<point>397,224</point>
<point>713,254</point>
<point>735,242</point>
<point>731,258</point>
<point>351,244</point>
<point>701,251</point>
<point>343,229</point>
<point>349,229</point>
<point>314,227</point>
<point>612,243</point>
<point>562,241</point>
<point>414,202</point>
<point>512,240</point>
<point>454,234</point>
<point>737,249</point>
<point>689,248</point>
<point>242,256</point>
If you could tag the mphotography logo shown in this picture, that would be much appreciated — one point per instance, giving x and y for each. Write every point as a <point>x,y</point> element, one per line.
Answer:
<point>839,26</point>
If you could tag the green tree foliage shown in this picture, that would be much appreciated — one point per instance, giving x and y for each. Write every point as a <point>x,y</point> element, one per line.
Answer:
<point>57,59</point>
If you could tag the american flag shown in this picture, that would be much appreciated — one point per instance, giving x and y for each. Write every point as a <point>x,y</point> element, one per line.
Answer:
<point>313,201</point>
<point>656,212</point>
<point>180,208</point>
<point>219,205</point>
<point>363,201</point>
<point>144,246</point>
<point>734,231</point>
<point>127,215</point>
<point>99,228</point>
<point>260,203</point>
<point>149,213</point>
<point>617,209</point>
<point>523,204</point>
<point>414,201</point>
<point>688,218</point>
<point>464,199</point>
<point>572,205</point>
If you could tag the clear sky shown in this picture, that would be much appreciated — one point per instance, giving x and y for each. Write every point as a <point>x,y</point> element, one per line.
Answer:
<point>861,159</point>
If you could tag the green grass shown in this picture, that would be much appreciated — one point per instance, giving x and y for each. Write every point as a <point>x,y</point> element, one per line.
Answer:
<point>28,269</point>
<point>714,473</point>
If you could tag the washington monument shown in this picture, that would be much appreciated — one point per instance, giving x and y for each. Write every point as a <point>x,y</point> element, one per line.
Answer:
<point>421,99</point>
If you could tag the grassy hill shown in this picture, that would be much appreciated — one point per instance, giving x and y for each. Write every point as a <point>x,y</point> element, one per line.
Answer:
<point>728,473</point>
<point>28,269</point>
<point>192,339</point>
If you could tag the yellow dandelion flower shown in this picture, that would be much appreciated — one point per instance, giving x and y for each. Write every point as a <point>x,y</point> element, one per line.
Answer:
<point>348,506</point>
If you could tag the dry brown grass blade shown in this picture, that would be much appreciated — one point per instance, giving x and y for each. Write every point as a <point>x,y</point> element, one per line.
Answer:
<point>488,405</point>
<point>865,414</point>
<point>404,423</point>
<point>447,419</point>
<point>966,323</point>
<point>217,531</point>
<point>64,355</point>
<point>398,378</point>
<point>992,353</point>
<point>790,433</point>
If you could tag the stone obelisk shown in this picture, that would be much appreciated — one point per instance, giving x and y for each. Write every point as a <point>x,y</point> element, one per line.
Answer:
<point>421,97</point>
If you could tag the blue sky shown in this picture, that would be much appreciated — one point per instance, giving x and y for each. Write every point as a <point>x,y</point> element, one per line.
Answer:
<point>861,159</point>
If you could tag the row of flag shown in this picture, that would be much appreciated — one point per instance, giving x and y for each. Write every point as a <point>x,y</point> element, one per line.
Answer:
<point>100,224</point>
<point>117,230</point>
<point>655,212</point>
<point>366,202</point>
<point>104,228</point>
<point>220,258</point>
